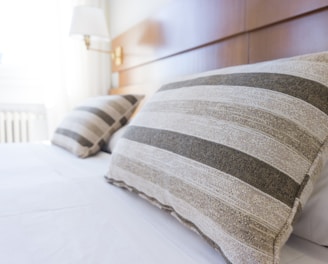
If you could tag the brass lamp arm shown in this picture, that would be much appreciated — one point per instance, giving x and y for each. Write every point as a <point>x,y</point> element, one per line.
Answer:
<point>116,54</point>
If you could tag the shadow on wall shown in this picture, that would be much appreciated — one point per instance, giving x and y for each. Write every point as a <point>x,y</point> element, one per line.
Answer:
<point>151,34</point>
<point>144,42</point>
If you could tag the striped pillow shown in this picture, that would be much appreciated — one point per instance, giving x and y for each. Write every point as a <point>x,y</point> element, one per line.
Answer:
<point>88,127</point>
<point>232,154</point>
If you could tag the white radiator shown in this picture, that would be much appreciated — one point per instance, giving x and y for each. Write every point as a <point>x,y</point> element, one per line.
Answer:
<point>22,123</point>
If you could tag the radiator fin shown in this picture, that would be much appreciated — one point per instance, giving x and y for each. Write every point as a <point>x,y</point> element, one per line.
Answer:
<point>22,123</point>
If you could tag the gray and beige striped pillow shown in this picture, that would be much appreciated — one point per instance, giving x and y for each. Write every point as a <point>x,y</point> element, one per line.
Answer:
<point>233,154</point>
<point>88,127</point>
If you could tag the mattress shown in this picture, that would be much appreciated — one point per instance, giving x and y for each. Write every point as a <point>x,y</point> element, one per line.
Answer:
<point>57,208</point>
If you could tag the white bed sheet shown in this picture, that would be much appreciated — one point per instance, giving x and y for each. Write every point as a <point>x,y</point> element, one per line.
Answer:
<point>56,208</point>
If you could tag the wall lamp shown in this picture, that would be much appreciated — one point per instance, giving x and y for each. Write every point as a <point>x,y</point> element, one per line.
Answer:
<point>89,22</point>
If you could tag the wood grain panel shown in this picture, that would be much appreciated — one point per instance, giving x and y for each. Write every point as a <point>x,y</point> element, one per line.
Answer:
<point>192,36</point>
<point>180,26</point>
<point>229,52</point>
<point>260,13</point>
<point>299,36</point>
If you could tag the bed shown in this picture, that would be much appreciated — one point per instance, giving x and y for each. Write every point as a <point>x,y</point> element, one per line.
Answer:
<point>75,201</point>
<point>57,208</point>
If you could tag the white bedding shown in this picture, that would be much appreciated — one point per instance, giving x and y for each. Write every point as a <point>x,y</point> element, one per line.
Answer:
<point>56,208</point>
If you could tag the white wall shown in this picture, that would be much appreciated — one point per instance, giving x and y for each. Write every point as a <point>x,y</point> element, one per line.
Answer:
<point>37,54</point>
<point>41,63</point>
<point>27,49</point>
<point>123,14</point>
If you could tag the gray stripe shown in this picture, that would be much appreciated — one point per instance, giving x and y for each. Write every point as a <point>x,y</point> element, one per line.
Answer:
<point>101,143</point>
<point>77,137</point>
<point>101,114</point>
<point>228,188</point>
<point>281,129</point>
<point>130,98</point>
<point>292,85</point>
<point>123,121</point>
<point>247,168</point>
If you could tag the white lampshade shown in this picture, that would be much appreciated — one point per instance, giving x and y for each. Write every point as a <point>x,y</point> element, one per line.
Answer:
<point>89,21</point>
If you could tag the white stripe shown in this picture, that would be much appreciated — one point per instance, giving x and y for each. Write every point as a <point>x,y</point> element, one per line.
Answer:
<point>302,113</point>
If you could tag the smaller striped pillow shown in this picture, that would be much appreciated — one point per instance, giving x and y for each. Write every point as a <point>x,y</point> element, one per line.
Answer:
<point>89,126</point>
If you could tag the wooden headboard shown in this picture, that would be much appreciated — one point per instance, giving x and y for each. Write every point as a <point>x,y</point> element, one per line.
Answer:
<point>191,36</point>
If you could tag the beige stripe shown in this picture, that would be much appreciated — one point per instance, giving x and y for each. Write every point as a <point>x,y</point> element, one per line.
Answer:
<point>243,227</point>
<point>106,101</point>
<point>262,122</point>
<point>237,251</point>
<point>208,228</point>
<point>118,107</point>
<point>108,109</point>
<point>89,124</point>
<point>115,106</point>
<point>303,114</point>
<point>88,118</point>
<point>122,102</point>
<point>240,138</point>
<point>132,179</point>
<point>81,130</point>
<point>228,244</point>
<point>234,191</point>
